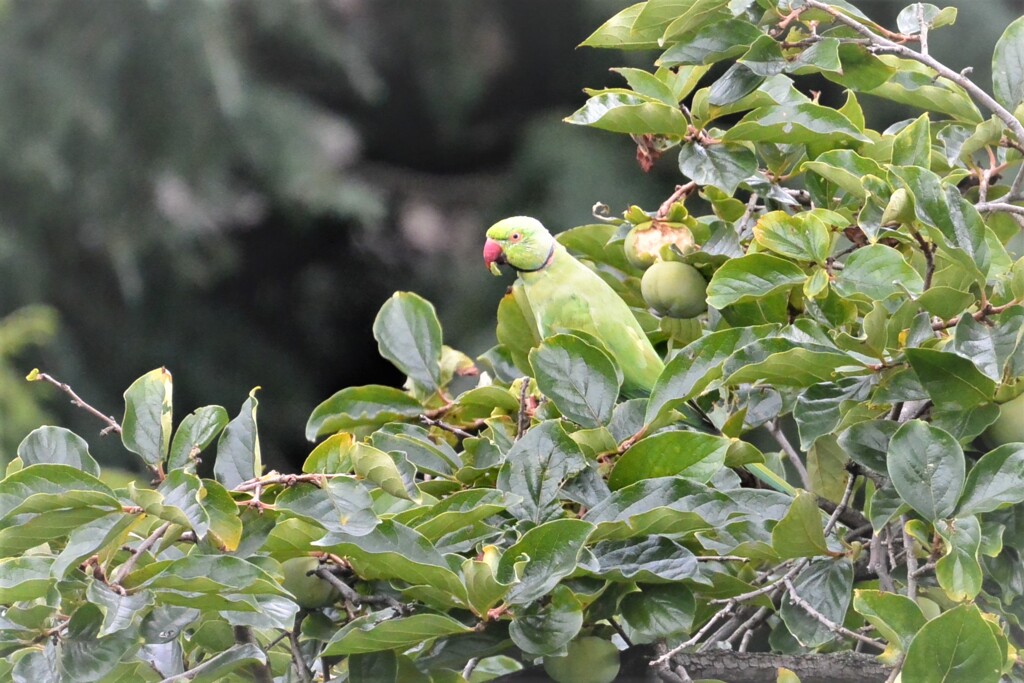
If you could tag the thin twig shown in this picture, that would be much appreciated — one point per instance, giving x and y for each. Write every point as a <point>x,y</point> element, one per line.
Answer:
<point>260,672</point>
<point>886,45</point>
<point>767,588</point>
<point>122,572</point>
<point>680,192</point>
<point>467,671</point>
<point>896,669</point>
<point>929,258</point>
<point>791,453</point>
<point>350,595</point>
<point>983,312</point>
<point>440,424</point>
<point>924,569</point>
<point>618,629</point>
<point>999,206</point>
<point>305,675</point>
<point>76,400</point>
<point>746,629</point>
<point>923,35</point>
<point>843,502</point>
<point>523,419</point>
<point>878,563</point>
<point>825,621</point>
<point>911,558</point>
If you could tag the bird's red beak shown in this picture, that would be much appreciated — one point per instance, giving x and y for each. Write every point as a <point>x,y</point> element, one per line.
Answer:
<point>493,254</point>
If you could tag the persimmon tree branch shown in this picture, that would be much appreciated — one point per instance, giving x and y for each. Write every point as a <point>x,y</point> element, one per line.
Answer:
<point>76,400</point>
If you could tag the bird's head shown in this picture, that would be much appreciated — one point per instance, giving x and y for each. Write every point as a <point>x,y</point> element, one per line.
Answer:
<point>521,242</point>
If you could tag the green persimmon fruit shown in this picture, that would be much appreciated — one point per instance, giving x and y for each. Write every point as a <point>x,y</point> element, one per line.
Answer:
<point>589,660</point>
<point>675,289</point>
<point>310,590</point>
<point>1009,426</point>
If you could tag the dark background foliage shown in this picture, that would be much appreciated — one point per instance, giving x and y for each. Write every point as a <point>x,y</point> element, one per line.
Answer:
<point>231,189</point>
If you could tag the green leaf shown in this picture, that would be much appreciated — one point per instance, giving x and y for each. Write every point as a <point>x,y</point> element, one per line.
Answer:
<point>914,84</point>
<point>955,646</point>
<point>1008,66</point>
<point>25,578</point>
<point>654,559</point>
<point>958,571</point>
<point>367,406</point>
<point>647,84</point>
<point>184,492</point>
<point>912,146</point>
<point>536,467</point>
<point>724,166</point>
<point>217,574</point>
<point>194,434</point>
<point>988,346</point>
<point>653,506</point>
<point>997,479</point>
<point>238,449</point>
<point>876,272</point>
<point>949,379</point>
<point>910,18</point>
<point>375,632</point>
<point>846,169</point>
<point>750,277</point>
<point>675,453</point>
<point>409,335</point>
<point>461,509</point>
<point>378,467</point>
<point>618,32</point>
<point>620,112</point>
<point>711,43</point>
<point>926,466</point>
<point>800,533</point>
<point>827,586</point>
<point>697,365</point>
<point>660,611</point>
<point>861,70</point>
<point>794,123</point>
<point>483,589</point>
<point>339,504</point>
<point>545,629</point>
<point>818,410</point>
<point>734,85</point>
<point>765,57</point>
<point>897,618</point>
<point>225,525</point>
<point>57,446</point>
<point>46,488</point>
<point>217,667</point>
<point>99,537</point>
<point>86,653</point>
<point>146,427</point>
<point>867,443</point>
<point>394,551</point>
<point>803,238</point>
<point>119,610</point>
<point>687,15</point>
<point>579,378</point>
<point>782,363</point>
<point>541,558</point>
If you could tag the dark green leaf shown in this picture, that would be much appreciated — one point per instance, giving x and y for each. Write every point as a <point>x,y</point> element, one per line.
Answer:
<point>45,488</point>
<point>660,611</point>
<point>989,347</point>
<point>541,558</point>
<point>666,505</point>
<point>958,571</point>
<point>654,559</point>
<point>86,655</point>
<point>146,427</point>
<point>119,611</point>
<point>765,57</point>
<point>57,446</point>
<point>217,667</point>
<point>376,632</point>
<point>711,43</point>
<point>737,82</point>
<point>688,454</point>
<point>580,379</point>
<point>724,166</point>
<point>194,434</point>
<point>955,646</point>
<point>409,335</point>
<point>536,467</point>
<point>997,479</point>
<point>951,380</point>
<point>545,629</point>
<point>926,466</point>
<point>238,449</point>
<point>184,492</point>
<point>25,578</point>
<point>819,408</point>
<point>367,406</point>
<point>340,504</point>
<point>380,468</point>
<point>867,443</point>
<point>827,586</point>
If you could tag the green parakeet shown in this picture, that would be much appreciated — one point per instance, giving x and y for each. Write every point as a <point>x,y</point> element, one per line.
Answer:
<point>566,296</point>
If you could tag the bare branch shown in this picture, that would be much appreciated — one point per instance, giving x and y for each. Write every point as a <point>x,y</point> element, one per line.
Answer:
<point>791,453</point>
<point>76,400</point>
<point>125,569</point>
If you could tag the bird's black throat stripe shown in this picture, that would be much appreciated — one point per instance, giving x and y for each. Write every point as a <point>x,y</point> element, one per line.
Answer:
<point>551,253</point>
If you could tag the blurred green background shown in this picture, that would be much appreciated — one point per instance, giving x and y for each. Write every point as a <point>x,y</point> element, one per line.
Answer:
<point>231,188</point>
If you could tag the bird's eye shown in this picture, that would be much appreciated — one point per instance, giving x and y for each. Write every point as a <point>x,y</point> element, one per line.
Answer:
<point>515,237</point>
